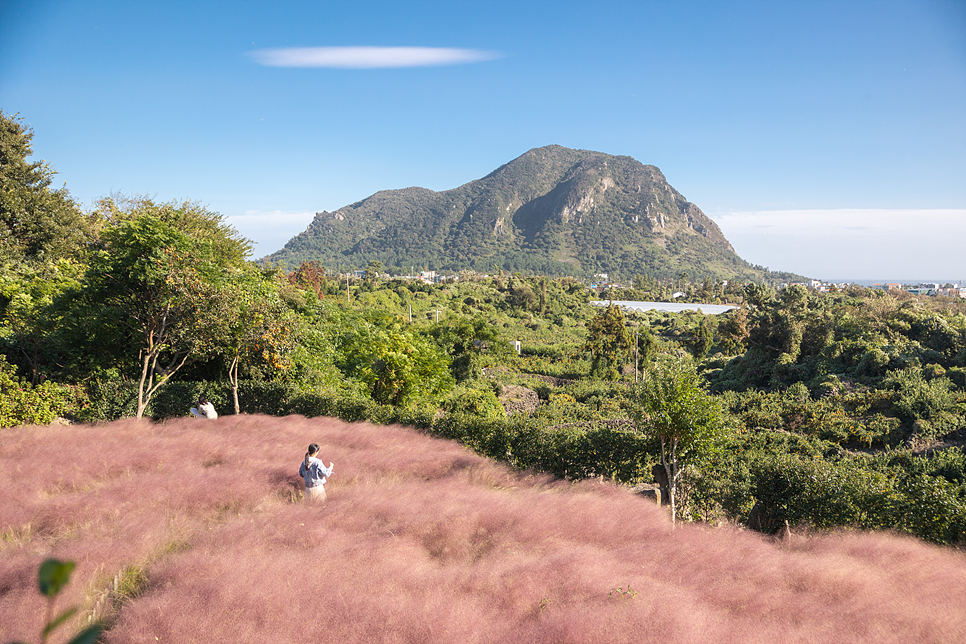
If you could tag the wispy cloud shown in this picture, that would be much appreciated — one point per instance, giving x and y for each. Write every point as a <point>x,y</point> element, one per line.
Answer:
<point>369,57</point>
<point>848,222</point>
<point>270,230</point>
<point>851,243</point>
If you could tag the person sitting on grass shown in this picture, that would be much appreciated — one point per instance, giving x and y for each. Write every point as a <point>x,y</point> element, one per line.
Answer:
<point>204,409</point>
<point>314,472</point>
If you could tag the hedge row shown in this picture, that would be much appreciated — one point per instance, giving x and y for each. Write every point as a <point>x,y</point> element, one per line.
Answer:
<point>521,441</point>
<point>825,495</point>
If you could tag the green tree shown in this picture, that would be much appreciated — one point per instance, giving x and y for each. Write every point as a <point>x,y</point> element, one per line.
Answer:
<point>373,269</point>
<point>701,339</point>
<point>608,342</point>
<point>468,342</point>
<point>225,246</point>
<point>35,221</point>
<point>146,286</point>
<point>34,310</point>
<point>733,330</point>
<point>245,321</point>
<point>645,346</point>
<point>396,363</point>
<point>671,406</point>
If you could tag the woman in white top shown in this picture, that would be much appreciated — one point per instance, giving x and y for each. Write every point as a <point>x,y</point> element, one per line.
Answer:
<point>314,473</point>
<point>204,409</point>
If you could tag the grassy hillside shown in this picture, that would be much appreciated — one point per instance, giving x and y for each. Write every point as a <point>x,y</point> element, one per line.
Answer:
<point>193,531</point>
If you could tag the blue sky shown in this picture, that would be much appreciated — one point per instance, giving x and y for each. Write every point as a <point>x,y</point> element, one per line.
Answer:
<point>825,138</point>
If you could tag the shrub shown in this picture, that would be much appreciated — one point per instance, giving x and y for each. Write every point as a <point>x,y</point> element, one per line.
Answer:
<point>821,494</point>
<point>929,405</point>
<point>24,404</point>
<point>475,401</point>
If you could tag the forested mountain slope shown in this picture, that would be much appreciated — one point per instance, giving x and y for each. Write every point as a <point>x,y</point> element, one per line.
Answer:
<point>552,211</point>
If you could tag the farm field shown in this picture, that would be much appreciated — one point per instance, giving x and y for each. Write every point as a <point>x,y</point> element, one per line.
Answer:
<point>189,531</point>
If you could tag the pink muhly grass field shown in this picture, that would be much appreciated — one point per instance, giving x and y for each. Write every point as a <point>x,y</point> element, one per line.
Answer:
<point>420,541</point>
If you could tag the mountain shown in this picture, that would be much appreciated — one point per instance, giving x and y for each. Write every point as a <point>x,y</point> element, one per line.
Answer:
<point>553,210</point>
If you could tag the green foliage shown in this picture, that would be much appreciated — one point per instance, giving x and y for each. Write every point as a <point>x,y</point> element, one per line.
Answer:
<point>526,443</point>
<point>702,339</point>
<point>206,229</point>
<point>671,406</point>
<point>824,494</point>
<point>246,321</point>
<point>24,404</point>
<point>821,494</point>
<point>52,577</point>
<point>396,363</point>
<point>148,289</point>
<point>929,405</point>
<point>608,342</point>
<point>36,307</point>
<point>824,339</point>
<point>471,345</point>
<point>475,401</point>
<point>850,419</point>
<point>36,223</point>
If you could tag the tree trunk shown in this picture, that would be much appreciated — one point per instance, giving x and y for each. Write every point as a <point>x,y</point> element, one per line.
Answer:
<point>233,378</point>
<point>660,477</point>
<point>143,396</point>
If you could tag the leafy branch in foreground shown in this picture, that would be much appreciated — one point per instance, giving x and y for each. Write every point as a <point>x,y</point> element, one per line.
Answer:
<point>51,578</point>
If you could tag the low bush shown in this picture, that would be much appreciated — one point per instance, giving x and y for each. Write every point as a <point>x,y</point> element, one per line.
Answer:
<point>24,404</point>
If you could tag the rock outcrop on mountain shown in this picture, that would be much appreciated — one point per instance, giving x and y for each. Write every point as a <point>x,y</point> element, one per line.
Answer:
<point>553,210</point>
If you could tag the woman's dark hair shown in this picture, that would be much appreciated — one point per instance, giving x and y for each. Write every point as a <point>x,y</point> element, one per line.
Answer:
<point>202,400</point>
<point>313,448</point>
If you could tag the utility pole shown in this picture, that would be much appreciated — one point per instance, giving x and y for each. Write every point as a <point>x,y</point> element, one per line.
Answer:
<point>347,285</point>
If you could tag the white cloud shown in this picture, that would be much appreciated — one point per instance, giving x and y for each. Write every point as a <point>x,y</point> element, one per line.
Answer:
<point>369,57</point>
<point>852,243</point>
<point>847,222</point>
<point>270,230</point>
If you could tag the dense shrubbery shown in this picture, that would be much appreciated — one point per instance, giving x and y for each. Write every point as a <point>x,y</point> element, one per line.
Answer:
<point>790,431</point>
<point>24,404</point>
<point>139,307</point>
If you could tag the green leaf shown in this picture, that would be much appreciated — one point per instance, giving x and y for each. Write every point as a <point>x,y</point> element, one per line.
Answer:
<point>54,575</point>
<point>88,635</point>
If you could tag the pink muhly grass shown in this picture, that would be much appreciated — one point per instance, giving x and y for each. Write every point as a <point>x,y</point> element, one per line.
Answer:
<point>421,541</point>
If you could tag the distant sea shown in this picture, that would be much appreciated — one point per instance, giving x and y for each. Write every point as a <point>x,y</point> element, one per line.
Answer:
<point>895,281</point>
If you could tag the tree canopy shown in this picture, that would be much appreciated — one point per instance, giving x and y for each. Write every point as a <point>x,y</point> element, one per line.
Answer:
<point>36,221</point>
<point>671,406</point>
